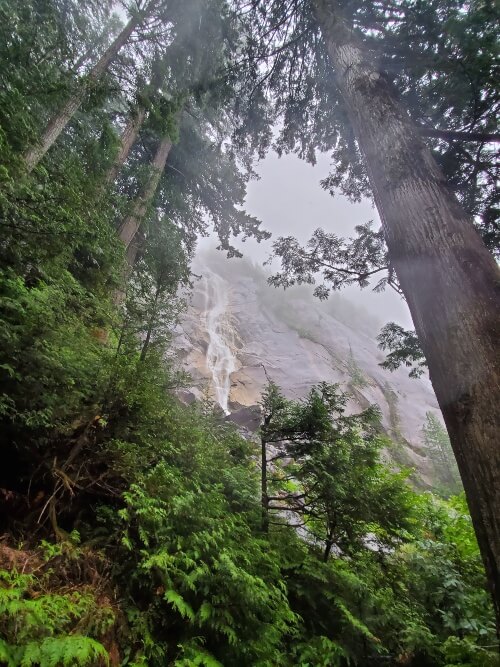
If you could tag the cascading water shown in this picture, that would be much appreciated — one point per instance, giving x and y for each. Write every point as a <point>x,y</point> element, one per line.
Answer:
<point>221,360</point>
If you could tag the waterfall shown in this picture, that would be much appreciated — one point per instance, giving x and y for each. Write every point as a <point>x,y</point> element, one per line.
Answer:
<point>221,360</point>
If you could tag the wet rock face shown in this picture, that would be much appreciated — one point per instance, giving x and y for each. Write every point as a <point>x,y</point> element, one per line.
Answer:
<point>246,418</point>
<point>237,330</point>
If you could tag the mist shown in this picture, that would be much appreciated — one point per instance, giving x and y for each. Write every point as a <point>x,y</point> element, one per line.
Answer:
<point>289,200</point>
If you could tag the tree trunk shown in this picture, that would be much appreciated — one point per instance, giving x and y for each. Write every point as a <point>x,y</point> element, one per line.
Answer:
<point>449,278</point>
<point>127,140</point>
<point>133,251</point>
<point>151,322</point>
<point>132,222</point>
<point>58,122</point>
<point>128,266</point>
<point>263,485</point>
<point>327,550</point>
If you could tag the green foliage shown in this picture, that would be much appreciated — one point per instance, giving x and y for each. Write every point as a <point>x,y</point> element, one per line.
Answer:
<point>202,571</point>
<point>404,349</point>
<point>440,56</point>
<point>47,351</point>
<point>356,582</point>
<point>445,581</point>
<point>95,445</point>
<point>439,448</point>
<point>345,496</point>
<point>341,262</point>
<point>49,629</point>
<point>200,584</point>
<point>152,305</point>
<point>358,379</point>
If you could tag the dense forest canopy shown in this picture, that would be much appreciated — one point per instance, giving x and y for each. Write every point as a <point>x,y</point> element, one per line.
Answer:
<point>134,530</point>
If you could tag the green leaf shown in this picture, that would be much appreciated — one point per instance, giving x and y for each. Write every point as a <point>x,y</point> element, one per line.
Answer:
<point>178,602</point>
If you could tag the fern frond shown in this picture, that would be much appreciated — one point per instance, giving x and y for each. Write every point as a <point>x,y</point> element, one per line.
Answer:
<point>178,603</point>
<point>69,651</point>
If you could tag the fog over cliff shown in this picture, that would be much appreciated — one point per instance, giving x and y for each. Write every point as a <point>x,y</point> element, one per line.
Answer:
<point>239,332</point>
<point>289,200</point>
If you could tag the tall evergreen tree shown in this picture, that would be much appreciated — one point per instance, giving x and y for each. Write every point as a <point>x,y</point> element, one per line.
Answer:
<point>332,91</point>
<point>131,223</point>
<point>61,118</point>
<point>331,477</point>
<point>128,137</point>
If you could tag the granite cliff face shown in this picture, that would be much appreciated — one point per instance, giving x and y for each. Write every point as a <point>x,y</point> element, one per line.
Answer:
<point>237,329</point>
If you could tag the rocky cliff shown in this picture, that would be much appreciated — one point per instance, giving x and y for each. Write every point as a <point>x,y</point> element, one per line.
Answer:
<point>237,329</point>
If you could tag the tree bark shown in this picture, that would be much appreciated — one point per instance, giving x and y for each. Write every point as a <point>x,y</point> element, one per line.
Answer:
<point>132,222</point>
<point>133,251</point>
<point>127,140</point>
<point>151,322</point>
<point>58,122</point>
<point>450,280</point>
<point>128,266</point>
<point>327,550</point>
<point>263,486</point>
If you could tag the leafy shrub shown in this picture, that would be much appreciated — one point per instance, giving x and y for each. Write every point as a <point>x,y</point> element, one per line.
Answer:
<point>49,629</point>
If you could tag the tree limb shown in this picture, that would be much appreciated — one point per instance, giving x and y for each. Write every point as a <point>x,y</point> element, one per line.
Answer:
<point>457,135</point>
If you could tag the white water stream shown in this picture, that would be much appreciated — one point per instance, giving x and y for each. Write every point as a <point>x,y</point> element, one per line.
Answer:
<point>221,360</point>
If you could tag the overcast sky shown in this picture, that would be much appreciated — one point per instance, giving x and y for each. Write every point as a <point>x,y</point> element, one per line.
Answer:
<point>290,201</point>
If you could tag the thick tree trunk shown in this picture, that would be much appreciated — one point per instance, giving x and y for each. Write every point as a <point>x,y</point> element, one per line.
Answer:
<point>58,122</point>
<point>449,278</point>
<point>128,266</point>
<point>133,251</point>
<point>132,222</point>
<point>127,140</point>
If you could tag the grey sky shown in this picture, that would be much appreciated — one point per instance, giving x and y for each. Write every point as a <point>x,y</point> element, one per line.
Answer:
<point>290,201</point>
